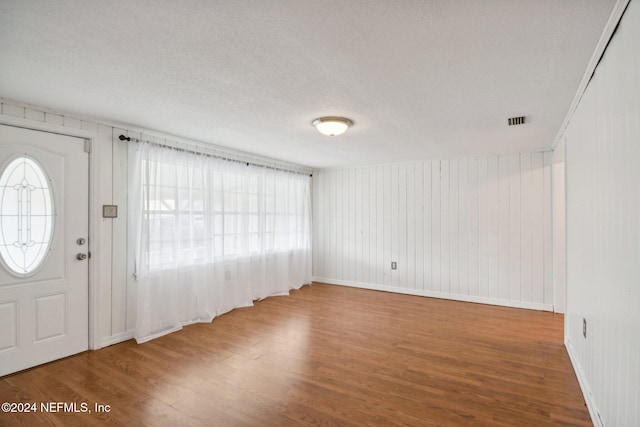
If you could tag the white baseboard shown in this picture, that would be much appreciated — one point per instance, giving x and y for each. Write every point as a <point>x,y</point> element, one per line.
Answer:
<point>434,294</point>
<point>115,339</point>
<point>584,385</point>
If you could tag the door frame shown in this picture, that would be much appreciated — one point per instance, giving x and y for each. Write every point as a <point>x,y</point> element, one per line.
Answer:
<point>95,262</point>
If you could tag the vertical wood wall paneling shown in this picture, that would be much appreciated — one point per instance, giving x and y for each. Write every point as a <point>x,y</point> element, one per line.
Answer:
<point>474,278</point>
<point>122,299</point>
<point>314,231</point>
<point>493,216</point>
<point>386,243</point>
<point>324,234</point>
<point>347,225</point>
<point>380,229</point>
<point>34,115</point>
<point>483,228</point>
<point>320,266</point>
<point>373,227</point>
<point>538,230</point>
<point>341,182</point>
<point>453,238</point>
<point>401,273</point>
<point>395,223</point>
<point>547,244</point>
<point>410,276</point>
<point>419,221</point>
<point>504,226</point>
<point>108,230</point>
<point>444,227</point>
<point>526,230</point>
<point>427,279</point>
<point>436,226</point>
<point>463,226</point>
<point>332,223</point>
<point>54,119</point>
<point>514,228</point>
<point>366,226</point>
<point>14,111</point>
<point>339,240</point>
<point>317,227</point>
<point>471,228</point>
<point>603,232</point>
<point>107,233</point>
<point>71,122</point>
<point>326,260</point>
<point>356,224</point>
<point>340,217</point>
<point>347,236</point>
<point>352,232</point>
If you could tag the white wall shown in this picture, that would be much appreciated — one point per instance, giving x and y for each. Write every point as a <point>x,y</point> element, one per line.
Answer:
<point>603,232</point>
<point>476,229</point>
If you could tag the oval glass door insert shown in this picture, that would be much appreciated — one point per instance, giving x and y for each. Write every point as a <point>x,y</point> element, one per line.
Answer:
<point>26,216</point>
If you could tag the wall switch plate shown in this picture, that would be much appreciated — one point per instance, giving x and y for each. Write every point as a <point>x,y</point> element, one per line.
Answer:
<point>584,327</point>
<point>109,211</point>
<point>394,265</point>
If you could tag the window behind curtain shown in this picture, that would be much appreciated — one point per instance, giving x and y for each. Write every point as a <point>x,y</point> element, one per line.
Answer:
<point>214,209</point>
<point>207,235</point>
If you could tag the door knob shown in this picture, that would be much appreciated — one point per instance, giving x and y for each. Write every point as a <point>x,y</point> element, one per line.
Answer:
<point>81,256</point>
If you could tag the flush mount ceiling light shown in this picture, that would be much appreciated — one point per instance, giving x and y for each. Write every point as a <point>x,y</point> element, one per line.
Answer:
<point>332,126</point>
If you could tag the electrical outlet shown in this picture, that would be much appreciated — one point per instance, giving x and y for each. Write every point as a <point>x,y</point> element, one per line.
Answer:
<point>584,327</point>
<point>394,265</point>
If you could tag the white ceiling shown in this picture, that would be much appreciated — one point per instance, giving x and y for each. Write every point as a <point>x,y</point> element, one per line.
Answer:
<point>420,78</point>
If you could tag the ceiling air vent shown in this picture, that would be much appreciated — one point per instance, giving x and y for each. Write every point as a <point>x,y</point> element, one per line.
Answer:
<point>513,121</point>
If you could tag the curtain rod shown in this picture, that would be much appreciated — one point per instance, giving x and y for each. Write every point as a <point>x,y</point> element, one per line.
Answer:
<point>185,150</point>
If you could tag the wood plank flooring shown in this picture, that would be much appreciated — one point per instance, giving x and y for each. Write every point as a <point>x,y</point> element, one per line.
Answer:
<point>325,355</point>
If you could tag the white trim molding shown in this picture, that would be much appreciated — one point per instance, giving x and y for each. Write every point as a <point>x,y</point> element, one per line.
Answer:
<point>584,385</point>
<point>614,19</point>
<point>434,294</point>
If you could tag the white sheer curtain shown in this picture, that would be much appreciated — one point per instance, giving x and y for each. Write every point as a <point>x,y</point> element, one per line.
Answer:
<point>210,235</point>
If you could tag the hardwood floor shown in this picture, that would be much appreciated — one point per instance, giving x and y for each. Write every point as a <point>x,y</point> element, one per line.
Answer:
<point>326,355</point>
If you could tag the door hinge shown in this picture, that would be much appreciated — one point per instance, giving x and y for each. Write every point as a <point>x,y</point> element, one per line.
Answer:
<point>87,145</point>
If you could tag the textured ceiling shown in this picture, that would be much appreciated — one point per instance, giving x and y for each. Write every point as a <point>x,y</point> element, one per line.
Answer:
<point>420,79</point>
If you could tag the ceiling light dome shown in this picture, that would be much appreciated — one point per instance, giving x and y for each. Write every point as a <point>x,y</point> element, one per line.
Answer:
<point>332,126</point>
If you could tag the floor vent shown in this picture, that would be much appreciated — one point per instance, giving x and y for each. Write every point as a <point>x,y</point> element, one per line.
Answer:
<point>513,121</point>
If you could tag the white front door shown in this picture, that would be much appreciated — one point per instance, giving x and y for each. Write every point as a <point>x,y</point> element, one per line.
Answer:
<point>44,265</point>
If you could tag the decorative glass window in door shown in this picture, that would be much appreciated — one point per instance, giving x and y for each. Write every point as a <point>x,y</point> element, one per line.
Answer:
<point>26,216</point>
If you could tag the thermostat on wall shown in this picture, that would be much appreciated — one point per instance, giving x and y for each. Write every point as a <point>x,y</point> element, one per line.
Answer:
<point>109,211</point>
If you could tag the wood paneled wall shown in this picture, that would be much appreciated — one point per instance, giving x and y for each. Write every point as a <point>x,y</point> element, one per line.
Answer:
<point>603,232</point>
<point>472,229</point>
